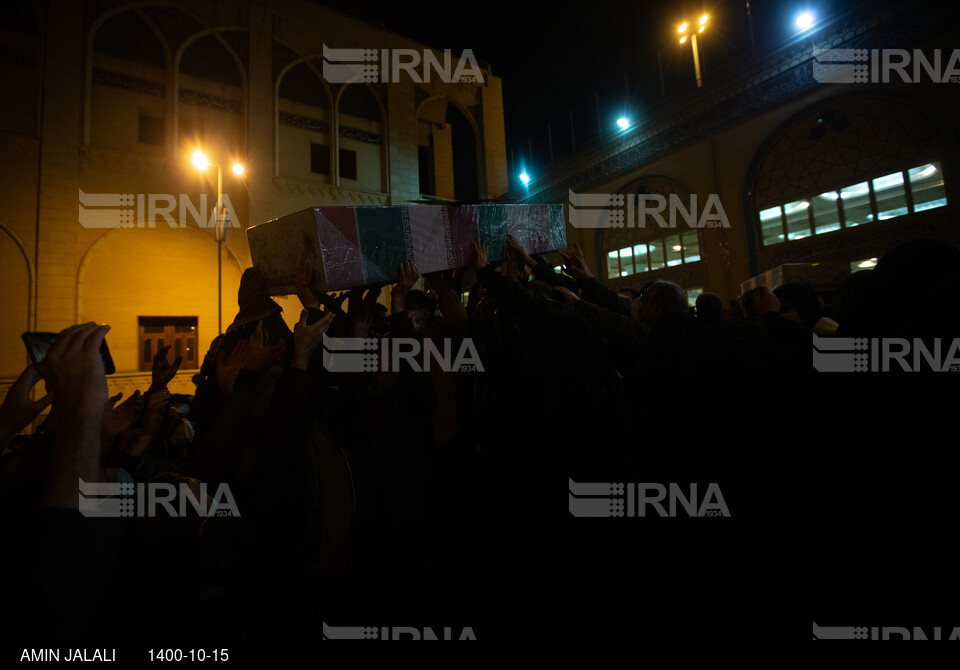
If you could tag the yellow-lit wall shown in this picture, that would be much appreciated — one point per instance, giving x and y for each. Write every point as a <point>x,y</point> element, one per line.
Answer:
<point>161,271</point>
<point>63,131</point>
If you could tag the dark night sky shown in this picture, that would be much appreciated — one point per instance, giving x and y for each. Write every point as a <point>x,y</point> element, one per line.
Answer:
<point>557,59</point>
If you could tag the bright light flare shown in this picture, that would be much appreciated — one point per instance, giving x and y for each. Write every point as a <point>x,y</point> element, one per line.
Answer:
<point>200,160</point>
<point>623,122</point>
<point>524,178</point>
<point>804,20</point>
<point>237,169</point>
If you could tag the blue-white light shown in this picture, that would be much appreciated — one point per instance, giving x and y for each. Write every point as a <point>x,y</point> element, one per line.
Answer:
<point>805,20</point>
<point>623,122</point>
<point>524,178</point>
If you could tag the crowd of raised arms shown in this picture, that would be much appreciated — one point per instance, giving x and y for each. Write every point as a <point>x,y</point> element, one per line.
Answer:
<point>416,497</point>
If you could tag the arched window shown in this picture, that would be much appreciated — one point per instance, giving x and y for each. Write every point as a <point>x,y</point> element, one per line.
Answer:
<point>361,157</point>
<point>211,99</point>
<point>871,164</point>
<point>19,59</point>
<point>447,153</point>
<point>651,244</point>
<point>303,108</point>
<point>128,106</point>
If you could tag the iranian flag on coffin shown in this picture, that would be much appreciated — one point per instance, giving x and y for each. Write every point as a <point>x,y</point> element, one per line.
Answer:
<point>349,247</point>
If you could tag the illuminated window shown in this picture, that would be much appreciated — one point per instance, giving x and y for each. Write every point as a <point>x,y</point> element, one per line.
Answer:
<point>613,264</point>
<point>691,247</point>
<point>626,262</point>
<point>654,254</point>
<point>672,248</point>
<point>771,225</point>
<point>926,185</point>
<point>888,196</point>
<point>797,219</point>
<point>826,212</point>
<point>641,261</point>
<point>855,201</point>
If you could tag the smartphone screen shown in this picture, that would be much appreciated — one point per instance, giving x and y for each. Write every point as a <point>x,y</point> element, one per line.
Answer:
<point>38,344</point>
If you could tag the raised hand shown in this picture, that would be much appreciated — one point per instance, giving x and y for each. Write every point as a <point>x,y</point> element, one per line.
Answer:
<point>73,370</point>
<point>332,303</point>
<point>407,276</point>
<point>446,284</point>
<point>18,408</point>
<point>117,420</point>
<point>307,297</point>
<point>521,253</point>
<point>370,299</point>
<point>306,338</point>
<point>575,264</point>
<point>360,309</point>
<point>163,371</point>
<point>480,255</point>
<point>512,263</point>
<point>244,357</point>
<point>359,312</point>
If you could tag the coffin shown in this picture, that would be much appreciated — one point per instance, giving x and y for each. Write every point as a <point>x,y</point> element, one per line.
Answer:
<point>350,247</point>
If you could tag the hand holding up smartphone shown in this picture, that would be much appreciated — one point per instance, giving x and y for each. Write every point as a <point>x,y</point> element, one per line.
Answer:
<point>39,343</point>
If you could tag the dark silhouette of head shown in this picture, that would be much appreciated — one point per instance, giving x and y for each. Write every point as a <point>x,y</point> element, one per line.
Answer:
<point>911,293</point>
<point>660,299</point>
<point>709,308</point>
<point>798,303</point>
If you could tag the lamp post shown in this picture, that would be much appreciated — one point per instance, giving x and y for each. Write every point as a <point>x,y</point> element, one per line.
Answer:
<point>686,30</point>
<point>220,228</point>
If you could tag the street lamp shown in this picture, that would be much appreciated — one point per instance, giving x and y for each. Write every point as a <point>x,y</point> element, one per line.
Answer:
<point>220,228</point>
<point>804,20</point>
<point>686,30</point>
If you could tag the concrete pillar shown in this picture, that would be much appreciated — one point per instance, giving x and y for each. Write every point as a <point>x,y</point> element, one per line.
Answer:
<point>402,142</point>
<point>441,139</point>
<point>59,165</point>
<point>494,179</point>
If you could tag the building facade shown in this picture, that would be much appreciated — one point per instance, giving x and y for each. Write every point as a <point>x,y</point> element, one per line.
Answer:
<point>802,171</point>
<point>107,219</point>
